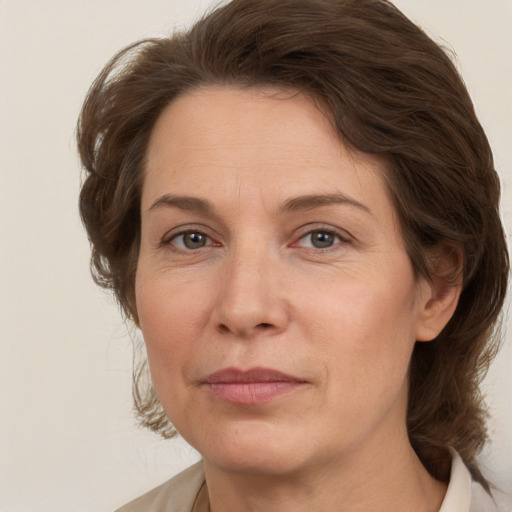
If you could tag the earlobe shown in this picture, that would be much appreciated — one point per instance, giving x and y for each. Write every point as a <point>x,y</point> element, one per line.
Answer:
<point>439,294</point>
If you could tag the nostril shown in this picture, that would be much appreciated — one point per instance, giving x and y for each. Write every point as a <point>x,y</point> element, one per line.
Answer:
<point>224,328</point>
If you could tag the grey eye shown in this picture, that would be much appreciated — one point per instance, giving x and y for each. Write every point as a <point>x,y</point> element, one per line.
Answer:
<point>190,240</point>
<point>319,239</point>
<point>322,239</point>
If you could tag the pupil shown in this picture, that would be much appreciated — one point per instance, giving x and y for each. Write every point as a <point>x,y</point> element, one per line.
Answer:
<point>194,240</point>
<point>322,239</point>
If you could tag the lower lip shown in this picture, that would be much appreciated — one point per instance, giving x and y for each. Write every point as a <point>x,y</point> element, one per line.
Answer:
<point>252,393</point>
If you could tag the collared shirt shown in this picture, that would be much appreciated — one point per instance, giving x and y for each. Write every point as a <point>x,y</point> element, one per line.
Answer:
<point>187,492</point>
<point>466,495</point>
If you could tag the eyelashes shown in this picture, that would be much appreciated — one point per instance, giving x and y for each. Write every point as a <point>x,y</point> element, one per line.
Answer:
<point>193,240</point>
<point>319,239</point>
<point>189,240</point>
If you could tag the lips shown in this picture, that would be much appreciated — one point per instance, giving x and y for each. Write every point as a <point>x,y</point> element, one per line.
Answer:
<point>251,387</point>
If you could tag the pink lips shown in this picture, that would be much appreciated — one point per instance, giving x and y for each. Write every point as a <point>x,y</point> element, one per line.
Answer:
<point>251,387</point>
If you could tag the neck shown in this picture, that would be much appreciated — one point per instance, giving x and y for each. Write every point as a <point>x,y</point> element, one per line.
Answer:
<point>385,477</point>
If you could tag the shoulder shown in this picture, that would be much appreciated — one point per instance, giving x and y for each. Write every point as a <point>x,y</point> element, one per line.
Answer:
<point>466,495</point>
<point>176,495</point>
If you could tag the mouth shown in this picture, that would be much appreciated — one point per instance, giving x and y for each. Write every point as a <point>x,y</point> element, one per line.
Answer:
<point>251,387</point>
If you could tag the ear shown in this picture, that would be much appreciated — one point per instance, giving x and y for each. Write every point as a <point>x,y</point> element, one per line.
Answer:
<point>439,294</point>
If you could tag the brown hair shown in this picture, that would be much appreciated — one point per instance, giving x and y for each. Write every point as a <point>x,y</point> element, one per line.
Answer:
<point>388,90</point>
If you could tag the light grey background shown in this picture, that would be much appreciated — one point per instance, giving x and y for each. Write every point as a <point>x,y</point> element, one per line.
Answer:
<point>68,441</point>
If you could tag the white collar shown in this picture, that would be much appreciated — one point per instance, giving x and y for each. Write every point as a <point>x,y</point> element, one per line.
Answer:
<point>466,495</point>
<point>458,495</point>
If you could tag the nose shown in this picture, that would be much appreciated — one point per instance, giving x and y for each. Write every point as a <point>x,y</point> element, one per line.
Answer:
<point>251,298</point>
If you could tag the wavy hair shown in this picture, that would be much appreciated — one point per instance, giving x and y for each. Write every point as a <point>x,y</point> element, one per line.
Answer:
<point>388,90</point>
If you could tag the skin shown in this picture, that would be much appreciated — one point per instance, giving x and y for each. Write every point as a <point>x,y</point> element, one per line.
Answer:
<point>251,288</point>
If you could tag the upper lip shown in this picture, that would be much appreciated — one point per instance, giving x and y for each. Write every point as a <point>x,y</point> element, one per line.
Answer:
<point>259,374</point>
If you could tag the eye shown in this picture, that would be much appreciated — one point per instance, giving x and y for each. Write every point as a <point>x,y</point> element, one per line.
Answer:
<point>319,239</point>
<point>190,240</point>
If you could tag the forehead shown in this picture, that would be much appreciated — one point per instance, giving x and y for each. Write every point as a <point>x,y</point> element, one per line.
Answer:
<point>229,140</point>
<point>240,118</point>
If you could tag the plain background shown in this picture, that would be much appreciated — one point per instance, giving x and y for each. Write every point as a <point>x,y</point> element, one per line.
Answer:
<point>68,441</point>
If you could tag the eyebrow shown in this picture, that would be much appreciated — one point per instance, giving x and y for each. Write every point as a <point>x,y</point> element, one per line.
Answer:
<point>294,204</point>
<point>309,202</point>
<point>187,203</point>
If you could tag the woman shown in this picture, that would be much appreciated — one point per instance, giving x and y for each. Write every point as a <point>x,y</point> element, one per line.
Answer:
<point>295,203</point>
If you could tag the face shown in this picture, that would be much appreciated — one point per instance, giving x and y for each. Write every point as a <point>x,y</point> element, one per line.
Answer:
<point>274,292</point>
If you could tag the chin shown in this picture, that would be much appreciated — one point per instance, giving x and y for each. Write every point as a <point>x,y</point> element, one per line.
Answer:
<point>256,450</point>
<point>257,462</point>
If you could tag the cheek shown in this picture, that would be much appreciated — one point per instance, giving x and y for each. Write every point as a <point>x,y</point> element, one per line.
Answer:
<point>365,329</point>
<point>171,318</point>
